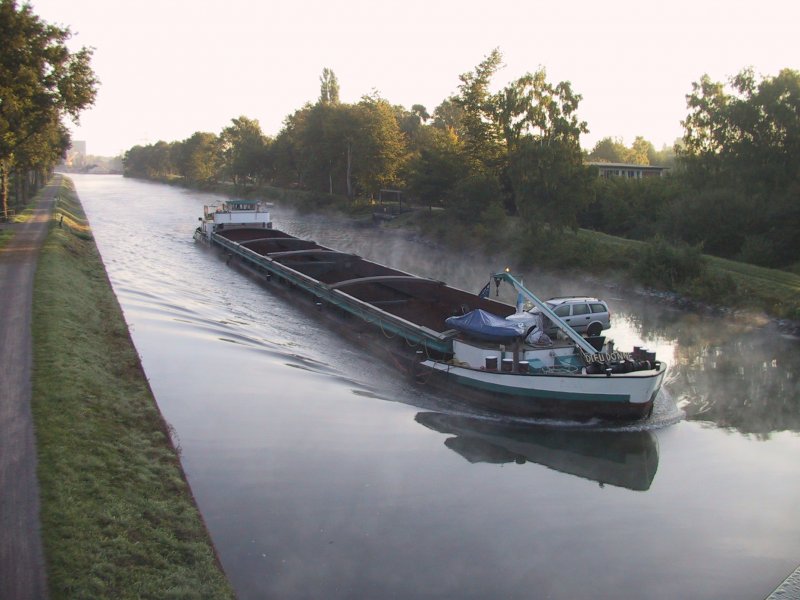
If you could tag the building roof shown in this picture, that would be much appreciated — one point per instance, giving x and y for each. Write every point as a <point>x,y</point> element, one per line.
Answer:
<point>626,166</point>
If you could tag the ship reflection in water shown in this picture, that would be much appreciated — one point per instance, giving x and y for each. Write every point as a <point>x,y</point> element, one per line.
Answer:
<point>627,459</point>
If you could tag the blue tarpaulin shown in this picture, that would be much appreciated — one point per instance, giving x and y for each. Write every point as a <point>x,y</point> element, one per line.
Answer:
<point>486,326</point>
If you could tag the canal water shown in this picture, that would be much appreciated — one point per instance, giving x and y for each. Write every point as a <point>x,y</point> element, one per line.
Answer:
<point>324,473</point>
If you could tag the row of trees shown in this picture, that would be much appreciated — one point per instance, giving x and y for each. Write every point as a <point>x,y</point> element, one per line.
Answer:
<point>640,152</point>
<point>733,189</point>
<point>517,149</point>
<point>41,83</point>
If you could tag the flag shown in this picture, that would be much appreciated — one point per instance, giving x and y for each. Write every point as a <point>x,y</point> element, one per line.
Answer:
<point>484,293</point>
<point>520,301</point>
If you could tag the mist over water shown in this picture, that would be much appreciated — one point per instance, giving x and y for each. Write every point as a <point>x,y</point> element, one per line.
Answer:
<point>322,471</point>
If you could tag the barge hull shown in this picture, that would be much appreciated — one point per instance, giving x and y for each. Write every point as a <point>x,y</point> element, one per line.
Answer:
<point>547,395</point>
<point>437,343</point>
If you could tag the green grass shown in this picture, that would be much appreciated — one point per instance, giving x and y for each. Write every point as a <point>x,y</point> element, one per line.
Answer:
<point>773,291</point>
<point>118,517</point>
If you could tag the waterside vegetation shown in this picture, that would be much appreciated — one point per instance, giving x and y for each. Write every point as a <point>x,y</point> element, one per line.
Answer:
<point>674,272</point>
<point>118,517</point>
<point>507,167</point>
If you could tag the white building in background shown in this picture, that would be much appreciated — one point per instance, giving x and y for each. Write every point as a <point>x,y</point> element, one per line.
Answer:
<point>608,170</point>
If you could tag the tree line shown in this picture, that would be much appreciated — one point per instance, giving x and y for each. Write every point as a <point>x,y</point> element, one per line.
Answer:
<point>41,83</point>
<point>733,188</point>
<point>477,151</point>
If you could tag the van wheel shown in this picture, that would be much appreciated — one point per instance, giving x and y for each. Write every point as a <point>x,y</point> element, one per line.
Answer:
<point>594,329</point>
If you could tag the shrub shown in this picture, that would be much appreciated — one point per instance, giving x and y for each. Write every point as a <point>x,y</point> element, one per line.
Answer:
<point>547,247</point>
<point>492,226</point>
<point>713,288</point>
<point>666,265</point>
<point>757,250</point>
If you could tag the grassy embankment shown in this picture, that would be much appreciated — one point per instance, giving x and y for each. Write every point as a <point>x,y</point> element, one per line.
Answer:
<point>659,265</point>
<point>723,282</point>
<point>118,517</point>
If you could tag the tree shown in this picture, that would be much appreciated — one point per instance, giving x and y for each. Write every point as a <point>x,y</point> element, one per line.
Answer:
<point>317,144</point>
<point>134,161</point>
<point>411,121</point>
<point>421,112</point>
<point>153,161</point>
<point>748,132</point>
<point>37,155</point>
<point>472,195</point>
<point>160,159</point>
<point>640,152</point>
<point>551,184</point>
<point>286,153</point>
<point>632,208</point>
<point>666,156</point>
<point>533,106</point>
<point>344,148</point>
<point>449,115</point>
<point>41,82</point>
<point>199,158</point>
<point>329,87</point>
<point>437,166</point>
<point>243,148</point>
<point>374,146</point>
<point>541,129</point>
<point>743,139</point>
<point>478,127</point>
<point>610,150</point>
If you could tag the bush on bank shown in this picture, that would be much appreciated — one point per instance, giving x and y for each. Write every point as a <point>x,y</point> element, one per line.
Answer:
<point>118,517</point>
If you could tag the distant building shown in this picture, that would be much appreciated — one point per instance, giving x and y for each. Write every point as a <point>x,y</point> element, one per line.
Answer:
<point>608,170</point>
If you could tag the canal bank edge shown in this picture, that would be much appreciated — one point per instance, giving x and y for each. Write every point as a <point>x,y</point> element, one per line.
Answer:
<point>118,516</point>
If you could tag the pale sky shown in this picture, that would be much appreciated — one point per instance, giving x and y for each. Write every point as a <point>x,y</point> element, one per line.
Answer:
<point>169,68</point>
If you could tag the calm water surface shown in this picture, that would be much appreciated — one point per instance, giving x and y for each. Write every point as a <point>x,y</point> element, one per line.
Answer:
<point>323,473</point>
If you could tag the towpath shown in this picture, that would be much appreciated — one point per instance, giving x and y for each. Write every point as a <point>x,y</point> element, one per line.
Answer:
<point>22,565</point>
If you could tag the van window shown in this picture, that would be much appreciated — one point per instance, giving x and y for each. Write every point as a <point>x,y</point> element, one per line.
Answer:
<point>596,308</point>
<point>563,310</point>
<point>580,309</point>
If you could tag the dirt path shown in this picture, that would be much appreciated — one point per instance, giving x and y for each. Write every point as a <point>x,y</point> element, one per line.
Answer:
<point>22,566</point>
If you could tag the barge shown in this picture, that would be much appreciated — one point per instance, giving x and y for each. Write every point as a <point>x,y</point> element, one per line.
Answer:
<point>490,353</point>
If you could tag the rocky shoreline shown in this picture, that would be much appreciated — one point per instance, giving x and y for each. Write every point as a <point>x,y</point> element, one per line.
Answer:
<point>787,327</point>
